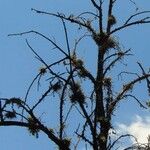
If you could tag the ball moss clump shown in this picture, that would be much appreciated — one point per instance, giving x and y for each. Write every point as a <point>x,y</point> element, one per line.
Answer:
<point>82,72</point>
<point>42,70</point>
<point>107,81</point>
<point>112,20</point>
<point>67,142</point>
<point>57,86</point>
<point>77,94</point>
<point>10,115</point>
<point>105,41</point>
<point>32,127</point>
<point>100,38</point>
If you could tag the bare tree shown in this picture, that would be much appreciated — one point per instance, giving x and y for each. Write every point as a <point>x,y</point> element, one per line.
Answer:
<point>94,107</point>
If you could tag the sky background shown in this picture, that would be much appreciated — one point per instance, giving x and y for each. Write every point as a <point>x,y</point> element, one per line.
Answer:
<point>18,65</point>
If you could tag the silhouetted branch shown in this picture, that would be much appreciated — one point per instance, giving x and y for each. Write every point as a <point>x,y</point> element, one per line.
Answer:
<point>95,5</point>
<point>42,35</point>
<point>109,15</point>
<point>42,98</point>
<point>120,137</point>
<point>55,74</point>
<point>138,101</point>
<point>71,19</point>
<point>101,17</point>
<point>135,15</point>
<point>147,80</point>
<point>119,57</point>
<point>142,21</point>
<point>125,89</point>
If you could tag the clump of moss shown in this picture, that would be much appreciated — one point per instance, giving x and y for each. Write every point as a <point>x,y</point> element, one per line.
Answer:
<point>100,38</point>
<point>77,94</point>
<point>82,72</point>
<point>10,114</point>
<point>102,138</point>
<point>105,41</point>
<point>110,43</point>
<point>77,63</point>
<point>88,23</point>
<point>57,86</point>
<point>42,70</point>
<point>32,127</point>
<point>16,101</point>
<point>148,103</point>
<point>51,130</point>
<point>120,54</point>
<point>112,20</point>
<point>107,82</point>
<point>66,142</point>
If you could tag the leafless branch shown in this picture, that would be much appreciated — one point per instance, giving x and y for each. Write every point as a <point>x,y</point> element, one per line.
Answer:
<point>42,98</point>
<point>138,101</point>
<point>119,57</point>
<point>70,19</point>
<point>42,35</point>
<point>147,80</point>
<point>142,21</point>
<point>95,5</point>
<point>120,137</point>
<point>125,89</point>
<point>134,15</point>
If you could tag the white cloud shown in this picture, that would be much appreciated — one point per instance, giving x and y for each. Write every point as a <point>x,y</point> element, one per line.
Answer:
<point>140,128</point>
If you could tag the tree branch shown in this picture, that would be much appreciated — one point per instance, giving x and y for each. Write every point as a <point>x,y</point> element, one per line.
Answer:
<point>126,88</point>
<point>142,21</point>
<point>70,19</point>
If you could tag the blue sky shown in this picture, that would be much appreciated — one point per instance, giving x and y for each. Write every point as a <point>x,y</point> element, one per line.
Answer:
<point>18,65</point>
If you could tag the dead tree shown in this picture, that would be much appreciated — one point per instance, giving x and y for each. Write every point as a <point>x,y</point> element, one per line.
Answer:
<point>96,107</point>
